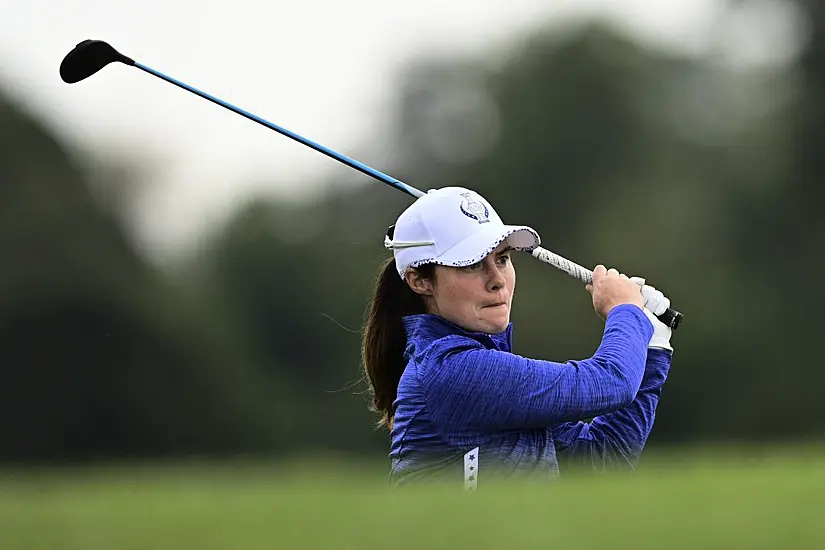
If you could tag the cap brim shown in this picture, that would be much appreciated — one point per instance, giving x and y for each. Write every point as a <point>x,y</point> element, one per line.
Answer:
<point>480,244</point>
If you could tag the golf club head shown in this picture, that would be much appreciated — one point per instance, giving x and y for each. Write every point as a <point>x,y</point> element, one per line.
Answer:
<point>87,58</point>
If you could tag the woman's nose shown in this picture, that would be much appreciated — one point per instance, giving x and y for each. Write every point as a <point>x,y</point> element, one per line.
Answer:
<point>496,279</point>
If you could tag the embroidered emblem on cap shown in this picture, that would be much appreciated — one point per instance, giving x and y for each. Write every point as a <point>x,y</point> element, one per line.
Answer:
<point>474,209</point>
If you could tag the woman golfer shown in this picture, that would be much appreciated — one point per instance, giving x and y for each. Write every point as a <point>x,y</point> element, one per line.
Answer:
<point>459,403</point>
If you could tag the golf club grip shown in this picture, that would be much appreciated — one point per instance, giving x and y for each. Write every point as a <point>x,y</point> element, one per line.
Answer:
<point>670,317</point>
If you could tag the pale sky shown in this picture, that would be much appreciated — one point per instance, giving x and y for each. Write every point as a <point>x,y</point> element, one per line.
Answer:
<point>321,68</point>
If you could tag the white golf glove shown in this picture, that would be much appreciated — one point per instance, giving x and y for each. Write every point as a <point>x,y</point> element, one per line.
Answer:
<point>656,303</point>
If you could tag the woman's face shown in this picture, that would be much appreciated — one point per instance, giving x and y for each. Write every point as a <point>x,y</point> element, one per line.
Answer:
<point>476,297</point>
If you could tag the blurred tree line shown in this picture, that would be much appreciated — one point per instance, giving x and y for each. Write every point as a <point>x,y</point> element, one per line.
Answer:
<point>703,177</point>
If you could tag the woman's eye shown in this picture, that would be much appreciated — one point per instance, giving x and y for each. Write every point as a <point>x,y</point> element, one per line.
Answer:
<point>503,259</point>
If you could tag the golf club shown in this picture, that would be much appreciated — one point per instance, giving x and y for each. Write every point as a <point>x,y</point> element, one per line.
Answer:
<point>90,56</point>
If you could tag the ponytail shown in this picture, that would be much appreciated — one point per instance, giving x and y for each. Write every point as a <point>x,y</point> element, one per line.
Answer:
<point>384,339</point>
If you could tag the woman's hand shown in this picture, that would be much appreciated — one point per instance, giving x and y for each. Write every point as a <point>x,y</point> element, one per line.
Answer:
<point>609,289</point>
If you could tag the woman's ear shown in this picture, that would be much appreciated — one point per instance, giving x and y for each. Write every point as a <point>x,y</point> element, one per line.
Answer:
<point>418,283</point>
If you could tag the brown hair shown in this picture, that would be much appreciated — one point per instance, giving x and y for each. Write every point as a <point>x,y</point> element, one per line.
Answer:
<point>384,339</point>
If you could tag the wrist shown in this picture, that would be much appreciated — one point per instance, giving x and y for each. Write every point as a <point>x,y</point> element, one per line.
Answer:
<point>625,305</point>
<point>661,333</point>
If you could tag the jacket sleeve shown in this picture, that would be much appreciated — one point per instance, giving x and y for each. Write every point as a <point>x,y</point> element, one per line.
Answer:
<point>615,440</point>
<point>468,387</point>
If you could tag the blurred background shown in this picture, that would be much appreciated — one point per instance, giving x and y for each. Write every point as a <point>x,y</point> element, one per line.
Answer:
<point>177,281</point>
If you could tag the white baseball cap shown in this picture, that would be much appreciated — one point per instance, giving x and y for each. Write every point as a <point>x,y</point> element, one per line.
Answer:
<point>452,226</point>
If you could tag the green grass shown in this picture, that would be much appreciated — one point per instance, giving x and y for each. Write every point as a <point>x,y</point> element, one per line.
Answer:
<point>774,501</point>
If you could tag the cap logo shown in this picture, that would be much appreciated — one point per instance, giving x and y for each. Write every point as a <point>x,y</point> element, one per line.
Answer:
<point>474,209</point>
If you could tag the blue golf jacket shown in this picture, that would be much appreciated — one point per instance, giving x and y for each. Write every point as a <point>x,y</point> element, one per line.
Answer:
<point>468,408</point>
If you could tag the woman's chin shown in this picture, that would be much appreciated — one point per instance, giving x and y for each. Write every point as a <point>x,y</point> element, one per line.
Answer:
<point>496,319</point>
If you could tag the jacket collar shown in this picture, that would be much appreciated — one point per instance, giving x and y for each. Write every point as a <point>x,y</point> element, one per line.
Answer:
<point>425,327</point>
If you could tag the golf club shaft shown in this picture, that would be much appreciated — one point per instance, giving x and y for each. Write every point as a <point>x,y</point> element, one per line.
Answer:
<point>363,168</point>
<point>670,317</point>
